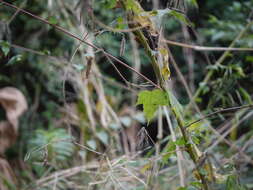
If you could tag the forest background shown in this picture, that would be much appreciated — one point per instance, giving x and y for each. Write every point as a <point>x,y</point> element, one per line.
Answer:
<point>120,94</point>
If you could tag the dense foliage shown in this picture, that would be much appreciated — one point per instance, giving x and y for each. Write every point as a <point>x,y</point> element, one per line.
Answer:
<point>129,94</point>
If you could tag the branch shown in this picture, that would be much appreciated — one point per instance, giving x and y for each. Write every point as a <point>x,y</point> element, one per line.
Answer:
<point>81,40</point>
<point>204,48</point>
<point>219,111</point>
<point>219,61</point>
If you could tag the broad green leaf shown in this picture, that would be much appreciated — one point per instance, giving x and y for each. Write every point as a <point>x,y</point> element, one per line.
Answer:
<point>14,60</point>
<point>151,100</point>
<point>5,46</point>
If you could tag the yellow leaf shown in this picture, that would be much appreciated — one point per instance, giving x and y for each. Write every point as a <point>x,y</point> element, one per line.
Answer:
<point>145,168</point>
<point>166,72</point>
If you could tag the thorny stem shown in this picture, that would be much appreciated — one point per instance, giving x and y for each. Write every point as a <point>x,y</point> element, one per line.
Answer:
<point>139,34</point>
<point>189,148</point>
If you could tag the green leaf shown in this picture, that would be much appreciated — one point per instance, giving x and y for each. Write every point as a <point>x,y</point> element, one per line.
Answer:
<point>92,144</point>
<point>232,183</point>
<point>5,46</point>
<point>103,136</point>
<point>109,4</point>
<point>196,140</point>
<point>196,184</point>
<point>46,52</point>
<point>182,188</point>
<point>180,142</point>
<point>168,151</point>
<point>181,17</point>
<point>151,100</point>
<point>249,58</point>
<point>120,23</point>
<point>134,6</point>
<point>57,142</point>
<point>193,3</point>
<point>52,20</point>
<point>246,95</point>
<point>14,60</point>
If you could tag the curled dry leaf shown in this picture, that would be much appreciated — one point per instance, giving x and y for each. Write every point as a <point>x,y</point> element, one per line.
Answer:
<point>7,136</point>
<point>14,103</point>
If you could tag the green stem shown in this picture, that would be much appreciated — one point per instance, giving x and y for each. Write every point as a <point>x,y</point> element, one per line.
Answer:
<point>139,34</point>
<point>189,148</point>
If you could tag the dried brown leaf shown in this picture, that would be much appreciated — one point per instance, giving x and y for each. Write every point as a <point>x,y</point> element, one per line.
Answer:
<point>14,103</point>
<point>6,174</point>
<point>7,136</point>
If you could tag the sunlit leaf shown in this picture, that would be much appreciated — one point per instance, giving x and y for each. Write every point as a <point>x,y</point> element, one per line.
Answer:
<point>14,60</point>
<point>151,100</point>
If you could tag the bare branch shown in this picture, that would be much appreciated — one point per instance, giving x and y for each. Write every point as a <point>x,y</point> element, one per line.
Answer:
<point>219,111</point>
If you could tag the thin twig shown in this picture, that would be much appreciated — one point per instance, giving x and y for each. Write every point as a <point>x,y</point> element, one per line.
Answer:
<point>217,141</point>
<point>204,48</point>
<point>218,62</point>
<point>219,111</point>
<point>77,38</point>
<point>178,151</point>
